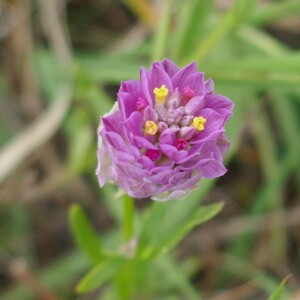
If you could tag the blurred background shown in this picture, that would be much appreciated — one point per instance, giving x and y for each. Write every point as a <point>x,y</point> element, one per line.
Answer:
<point>61,66</point>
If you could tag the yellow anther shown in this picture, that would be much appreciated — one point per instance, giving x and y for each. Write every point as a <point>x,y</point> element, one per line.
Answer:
<point>151,128</point>
<point>161,94</point>
<point>199,122</point>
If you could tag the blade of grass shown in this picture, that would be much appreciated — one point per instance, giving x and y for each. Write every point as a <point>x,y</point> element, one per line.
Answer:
<point>278,293</point>
<point>243,269</point>
<point>266,143</point>
<point>84,234</point>
<point>275,11</point>
<point>176,276</point>
<point>168,238</point>
<point>261,40</point>
<point>100,274</point>
<point>162,31</point>
<point>193,15</point>
<point>239,12</point>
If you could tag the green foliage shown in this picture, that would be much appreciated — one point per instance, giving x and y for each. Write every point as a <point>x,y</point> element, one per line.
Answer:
<point>100,274</point>
<point>170,235</point>
<point>278,293</point>
<point>86,237</point>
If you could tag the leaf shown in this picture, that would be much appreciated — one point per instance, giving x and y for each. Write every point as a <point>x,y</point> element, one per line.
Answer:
<point>274,11</point>
<point>170,237</point>
<point>177,278</point>
<point>279,291</point>
<point>192,18</point>
<point>100,274</point>
<point>85,236</point>
<point>231,20</point>
<point>242,9</point>
<point>151,225</point>
<point>80,144</point>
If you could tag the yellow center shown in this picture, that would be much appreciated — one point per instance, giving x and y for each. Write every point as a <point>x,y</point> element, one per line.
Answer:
<point>161,94</point>
<point>151,128</point>
<point>199,122</point>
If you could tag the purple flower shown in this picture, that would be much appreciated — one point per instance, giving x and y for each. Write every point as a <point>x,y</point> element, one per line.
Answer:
<point>164,134</point>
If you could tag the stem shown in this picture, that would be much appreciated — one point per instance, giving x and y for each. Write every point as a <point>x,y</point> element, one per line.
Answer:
<point>128,210</point>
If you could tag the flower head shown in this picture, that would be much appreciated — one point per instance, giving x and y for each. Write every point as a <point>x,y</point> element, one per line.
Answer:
<point>164,134</point>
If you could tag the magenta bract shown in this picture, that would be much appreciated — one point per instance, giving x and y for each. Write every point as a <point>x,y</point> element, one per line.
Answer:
<point>164,134</point>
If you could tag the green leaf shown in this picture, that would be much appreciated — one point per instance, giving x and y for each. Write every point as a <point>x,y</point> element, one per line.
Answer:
<point>151,225</point>
<point>279,291</point>
<point>177,278</point>
<point>80,144</point>
<point>85,236</point>
<point>242,9</point>
<point>171,236</point>
<point>222,29</point>
<point>274,11</point>
<point>191,21</point>
<point>102,273</point>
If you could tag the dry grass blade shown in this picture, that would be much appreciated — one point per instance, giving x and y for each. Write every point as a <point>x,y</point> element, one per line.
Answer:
<point>35,135</point>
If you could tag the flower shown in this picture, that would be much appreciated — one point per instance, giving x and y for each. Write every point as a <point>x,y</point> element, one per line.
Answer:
<point>164,134</point>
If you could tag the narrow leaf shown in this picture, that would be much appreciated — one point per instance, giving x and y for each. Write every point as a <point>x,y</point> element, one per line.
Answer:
<point>151,225</point>
<point>85,236</point>
<point>100,274</point>
<point>170,238</point>
<point>279,291</point>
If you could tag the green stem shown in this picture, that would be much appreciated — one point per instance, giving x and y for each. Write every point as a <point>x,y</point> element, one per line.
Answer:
<point>128,211</point>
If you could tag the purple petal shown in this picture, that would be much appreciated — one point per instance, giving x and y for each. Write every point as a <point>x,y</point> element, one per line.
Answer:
<point>223,143</point>
<point>145,87</point>
<point>194,81</point>
<point>150,114</point>
<point>132,87</point>
<point>162,126</point>
<point>142,142</point>
<point>179,177</point>
<point>157,78</point>
<point>161,177</point>
<point>172,152</point>
<point>113,122</point>
<point>167,137</point>
<point>169,67</point>
<point>179,78</point>
<point>132,170</point>
<point>211,168</point>
<point>147,162</point>
<point>127,104</point>
<point>187,132</point>
<point>214,122</point>
<point>209,86</point>
<point>194,105</point>
<point>116,141</point>
<point>188,184</point>
<point>134,123</point>
<point>218,102</point>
